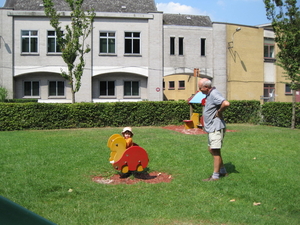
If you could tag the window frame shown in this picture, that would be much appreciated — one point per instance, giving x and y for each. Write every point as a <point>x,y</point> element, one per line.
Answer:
<point>107,95</point>
<point>32,95</point>
<point>131,89</point>
<point>57,87</point>
<point>180,87</point>
<point>108,38</point>
<point>269,43</point>
<point>202,46</point>
<point>57,48</point>
<point>171,87</point>
<point>32,40</point>
<point>288,90</point>
<point>270,88</point>
<point>181,46</point>
<point>172,45</point>
<point>133,45</point>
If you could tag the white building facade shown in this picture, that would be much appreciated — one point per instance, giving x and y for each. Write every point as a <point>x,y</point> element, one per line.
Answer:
<point>125,62</point>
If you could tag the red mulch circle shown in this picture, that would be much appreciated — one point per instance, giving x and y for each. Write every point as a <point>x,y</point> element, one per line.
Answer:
<point>181,129</point>
<point>135,177</point>
<point>193,131</point>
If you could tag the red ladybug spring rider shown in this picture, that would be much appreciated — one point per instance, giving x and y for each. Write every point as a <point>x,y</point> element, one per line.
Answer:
<point>134,158</point>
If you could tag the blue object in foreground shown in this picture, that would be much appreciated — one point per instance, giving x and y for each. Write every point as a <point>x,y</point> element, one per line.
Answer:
<point>197,98</point>
<point>13,214</point>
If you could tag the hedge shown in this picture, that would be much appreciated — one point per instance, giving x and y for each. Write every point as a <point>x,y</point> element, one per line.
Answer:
<point>243,112</point>
<point>280,114</point>
<point>21,100</point>
<point>19,116</point>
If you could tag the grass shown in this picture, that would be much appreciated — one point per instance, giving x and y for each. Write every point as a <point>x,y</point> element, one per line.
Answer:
<point>37,169</point>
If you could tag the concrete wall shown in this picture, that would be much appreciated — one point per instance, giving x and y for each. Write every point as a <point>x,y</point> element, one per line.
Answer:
<point>191,87</point>
<point>155,58</point>
<point>281,80</point>
<point>191,58</point>
<point>146,67</point>
<point>6,52</point>
<point>219,58</point>
<point>181,67</point>
<point>245,63</point>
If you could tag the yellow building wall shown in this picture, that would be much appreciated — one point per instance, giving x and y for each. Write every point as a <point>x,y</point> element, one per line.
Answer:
<point>245,63</point>
<point>177,93</point>
<point>281,80</point>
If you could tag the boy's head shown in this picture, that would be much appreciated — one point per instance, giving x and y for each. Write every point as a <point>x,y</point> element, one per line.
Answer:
<point>127,131</point>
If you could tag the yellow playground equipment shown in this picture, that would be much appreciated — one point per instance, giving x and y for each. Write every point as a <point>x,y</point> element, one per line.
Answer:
<point>134,158</point>
<point>194,122</point>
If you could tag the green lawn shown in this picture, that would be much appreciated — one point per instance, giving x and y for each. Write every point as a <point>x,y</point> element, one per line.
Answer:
<point>37,169</point>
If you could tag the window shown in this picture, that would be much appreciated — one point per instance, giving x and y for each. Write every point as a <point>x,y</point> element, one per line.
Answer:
<point>29,41</point>
<point>164,85</point>
<point>31,88</point>
<point>52,42</point>
<point>131,88</point>
<point>56,88</point>
<point>172,45</point>
<point>107,88</point>
<point>269,45</point>
<point>171,85</point>
<point>107,42</point>
<point>180,46</point>
<point>202,46</point>
<point>288,90</point>
<point>132,43</point>
<point>181,84</point>
<point>269,92</point>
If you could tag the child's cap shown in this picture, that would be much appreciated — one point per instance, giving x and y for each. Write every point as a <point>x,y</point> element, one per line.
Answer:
<point>127,129</point>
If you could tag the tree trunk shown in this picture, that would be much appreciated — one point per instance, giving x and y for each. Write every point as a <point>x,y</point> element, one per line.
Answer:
<point>72,90</point>
<point>73,96</point>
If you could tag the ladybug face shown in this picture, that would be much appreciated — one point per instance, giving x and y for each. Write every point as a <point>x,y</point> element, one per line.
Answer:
<point>117,145</point>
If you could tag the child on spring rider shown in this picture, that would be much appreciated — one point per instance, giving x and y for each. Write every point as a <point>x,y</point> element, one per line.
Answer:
<point>128,134</point>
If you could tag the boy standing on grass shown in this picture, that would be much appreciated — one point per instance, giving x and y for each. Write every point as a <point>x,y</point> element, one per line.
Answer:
<point>214,125</point>
<point>127,134</point>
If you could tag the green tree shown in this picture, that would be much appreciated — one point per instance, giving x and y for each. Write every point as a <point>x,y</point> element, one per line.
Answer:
<point>285,17</point>
<point>72,40</point>
<point>3,94</point>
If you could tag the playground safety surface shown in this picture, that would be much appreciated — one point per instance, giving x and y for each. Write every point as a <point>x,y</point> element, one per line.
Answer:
<point>135,177</point>
<point>193,131</point>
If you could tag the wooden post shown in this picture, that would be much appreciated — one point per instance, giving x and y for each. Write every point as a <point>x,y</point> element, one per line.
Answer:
<point>196,75</point>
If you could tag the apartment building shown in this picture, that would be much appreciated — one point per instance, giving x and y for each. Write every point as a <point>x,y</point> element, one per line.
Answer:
<point>121,66</point>
<point>138,53</point>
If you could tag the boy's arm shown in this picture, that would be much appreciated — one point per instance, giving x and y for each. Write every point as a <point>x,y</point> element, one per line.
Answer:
<point>129,142</point>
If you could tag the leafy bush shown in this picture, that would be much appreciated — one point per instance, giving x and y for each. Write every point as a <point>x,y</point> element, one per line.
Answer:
<point>3,94</point>
<point>17,116</point>
<point>279,114</point>
<point>17,100</point>
<point>243,112</point>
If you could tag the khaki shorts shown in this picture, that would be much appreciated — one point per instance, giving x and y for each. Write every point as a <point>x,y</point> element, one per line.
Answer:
<point>215,139</point>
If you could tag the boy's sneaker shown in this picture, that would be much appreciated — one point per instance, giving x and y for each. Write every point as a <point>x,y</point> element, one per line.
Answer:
<point>210,179</point>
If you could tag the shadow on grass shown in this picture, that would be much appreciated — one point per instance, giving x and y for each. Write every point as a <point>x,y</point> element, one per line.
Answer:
<point>144,175</point>
<point>230,168</point>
